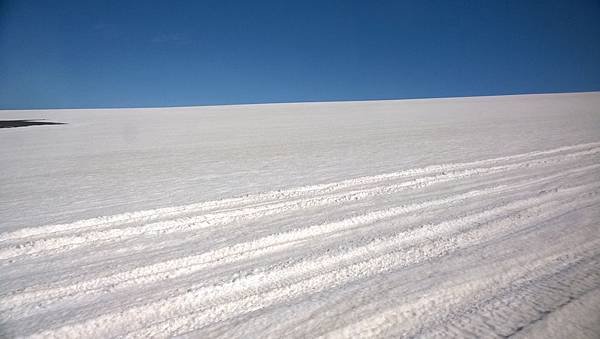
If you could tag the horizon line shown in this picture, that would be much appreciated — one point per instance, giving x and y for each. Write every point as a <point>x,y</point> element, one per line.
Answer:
<point>300,102</point>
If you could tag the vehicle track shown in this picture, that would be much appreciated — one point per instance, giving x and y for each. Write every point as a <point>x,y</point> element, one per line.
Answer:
<point>246,278</point>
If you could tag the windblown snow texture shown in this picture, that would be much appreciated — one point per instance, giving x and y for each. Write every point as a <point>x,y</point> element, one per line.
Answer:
<point>474,217</point>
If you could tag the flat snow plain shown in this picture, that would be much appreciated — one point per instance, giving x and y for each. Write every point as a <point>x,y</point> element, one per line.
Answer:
<point>462,217</point>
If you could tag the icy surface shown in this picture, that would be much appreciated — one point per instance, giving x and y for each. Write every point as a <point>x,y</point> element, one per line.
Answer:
<point>467,217</point>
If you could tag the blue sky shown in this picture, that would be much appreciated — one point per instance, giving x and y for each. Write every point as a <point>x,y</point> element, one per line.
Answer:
<point>70,54</point>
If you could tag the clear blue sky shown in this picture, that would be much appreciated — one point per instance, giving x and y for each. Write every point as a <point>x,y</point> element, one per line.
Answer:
<point>68,54</point>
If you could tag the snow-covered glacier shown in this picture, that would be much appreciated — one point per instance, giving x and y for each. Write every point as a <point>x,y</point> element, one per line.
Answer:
<point>460,217</point>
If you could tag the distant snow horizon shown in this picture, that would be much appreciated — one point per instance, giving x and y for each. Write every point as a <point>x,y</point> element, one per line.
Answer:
<point>306,102</point>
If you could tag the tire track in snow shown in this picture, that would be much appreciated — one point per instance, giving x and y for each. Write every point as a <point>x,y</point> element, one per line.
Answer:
<point>136,249</point>
<point>195,300</point>
<point>247,250</point>
<point>433,249</point>
<point>172,269</point>
<point>579,317</point>
<point>532,272</point>
<point>66,243</point>
<point>149,215</point>
<point>226,297</point>
<point>385,306</point>
<point>521,305</point>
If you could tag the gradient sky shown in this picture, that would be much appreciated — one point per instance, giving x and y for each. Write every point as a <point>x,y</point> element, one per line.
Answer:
<point>70,54</point>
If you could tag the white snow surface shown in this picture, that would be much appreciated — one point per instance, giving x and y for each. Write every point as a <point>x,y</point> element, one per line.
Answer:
<point>463,217</point>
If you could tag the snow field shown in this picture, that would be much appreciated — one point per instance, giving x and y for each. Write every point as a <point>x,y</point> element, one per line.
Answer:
<point>198,269</point>
<point>439,218</point>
